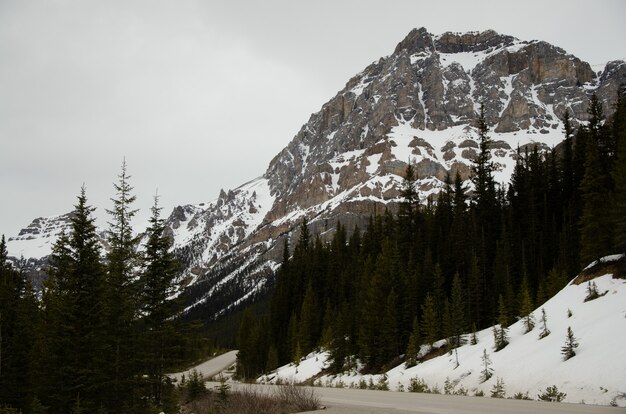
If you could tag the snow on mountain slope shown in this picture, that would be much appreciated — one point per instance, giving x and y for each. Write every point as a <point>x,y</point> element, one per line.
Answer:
<point>596,375</point>
<point>36,240</point>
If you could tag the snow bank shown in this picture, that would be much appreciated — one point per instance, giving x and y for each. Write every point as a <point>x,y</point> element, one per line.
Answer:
<point>596,375</point>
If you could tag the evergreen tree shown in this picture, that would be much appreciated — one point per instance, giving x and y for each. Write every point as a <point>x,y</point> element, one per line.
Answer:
<point>457,311</point>
<point>121,295</point>
<point>487,371</point>
<point>76,304</point>
<point>308,315</point>
<point>408,193</point>
<point>158,286</point>
<point>430,324</point>
<point>571,343</point>
<point>474,339</point>
<point>618,215</point>
<point>526,307</point>
<point>414,345</point>
<point>596,229</point>
<point>500,333</point>
<point>544,325</point>
<point>390,328</point>
<point>498,391</point>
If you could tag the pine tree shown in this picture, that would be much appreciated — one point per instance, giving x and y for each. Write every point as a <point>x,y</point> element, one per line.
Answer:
<point>526,307</point>
<point>246,345</point>
<point>487,371</point>
<point>272,359</point>
<point>390,327</point>
<point>500,333</point>
<point>158,286</point>
<point>544,325</point>
<point>595,228</point>
<point>430,325</point>
<point>414,345</point>
<point>308,315</point>
<point>408,193</point>
<point>618,216</point>
<point>498,391</point>
<point>474,339</point>
<point>457,311</point>
<point>571,343</point>
<point>75,303</point>
<point>122,294</point>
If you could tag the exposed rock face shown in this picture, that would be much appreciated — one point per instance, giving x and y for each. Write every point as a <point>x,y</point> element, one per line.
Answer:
<point>346,163</point>
<point>419,105</point>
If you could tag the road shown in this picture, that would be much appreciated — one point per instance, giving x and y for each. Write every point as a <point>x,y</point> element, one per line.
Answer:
<point>211,367</point>
<point>350,401</point>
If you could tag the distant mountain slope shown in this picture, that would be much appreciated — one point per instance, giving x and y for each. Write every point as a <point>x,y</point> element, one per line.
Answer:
<point>528,364</point>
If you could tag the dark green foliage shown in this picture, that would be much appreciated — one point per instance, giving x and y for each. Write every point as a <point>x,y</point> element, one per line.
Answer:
<point>571,343</point>
<point>618,215</point>
<point>500,331</point>
<point>162,333</point>
<point>552,394</point>
<point>121,296</point>
<point>544,325</point>
<point>414,345</point>
<point>430,325</point>
<point>498,389</point>
<point>526,307</point>
<point>592,291</point>
<point>75,304</point>
<point>487,371</point>
<point>104,330</point>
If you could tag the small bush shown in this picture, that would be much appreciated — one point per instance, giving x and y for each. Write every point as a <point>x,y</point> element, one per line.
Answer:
<point>552,394</point>
<point>418,385</point>
<point>382,384</point>
<point>287,399</point>
<point>461,391</point>
<point>300,398</point>
<point>479,393</point>
<point>194,386</point>
<point>520,396</point>
<point>497,391</point>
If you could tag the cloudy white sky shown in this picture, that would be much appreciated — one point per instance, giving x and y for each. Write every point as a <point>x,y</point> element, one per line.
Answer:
<point>200,95</point>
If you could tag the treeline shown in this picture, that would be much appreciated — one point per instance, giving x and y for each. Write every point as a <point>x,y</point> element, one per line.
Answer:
<point>101,334</point>
<point>451,267</point>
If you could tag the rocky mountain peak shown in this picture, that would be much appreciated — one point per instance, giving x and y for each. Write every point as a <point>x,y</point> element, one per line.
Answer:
<point>451,42</point>
<point>417,41</point>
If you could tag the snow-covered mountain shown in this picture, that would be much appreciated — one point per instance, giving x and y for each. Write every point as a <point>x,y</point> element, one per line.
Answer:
<point>528,364</point>
<point>417,105</point>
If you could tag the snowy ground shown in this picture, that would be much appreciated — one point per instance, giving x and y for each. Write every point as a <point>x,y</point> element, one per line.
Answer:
<point>596,375</point>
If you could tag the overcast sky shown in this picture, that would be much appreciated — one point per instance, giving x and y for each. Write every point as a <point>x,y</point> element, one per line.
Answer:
<point>200,95</point>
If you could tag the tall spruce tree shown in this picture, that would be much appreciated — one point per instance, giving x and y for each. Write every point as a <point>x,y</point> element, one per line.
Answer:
<point>595,227</point>
<point>618,215</point>
<point>158,287</point>
<point>75,302</point>
<point>122,295</point>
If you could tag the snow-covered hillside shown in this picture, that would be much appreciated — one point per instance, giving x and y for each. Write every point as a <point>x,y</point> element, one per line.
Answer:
<point>596,375</point>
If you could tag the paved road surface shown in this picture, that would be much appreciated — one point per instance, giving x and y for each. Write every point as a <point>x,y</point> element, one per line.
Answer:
<point>211,367</point>
<point>350,401</point>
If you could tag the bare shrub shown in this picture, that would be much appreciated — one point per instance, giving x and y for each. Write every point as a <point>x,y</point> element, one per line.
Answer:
<point>300,398</point>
